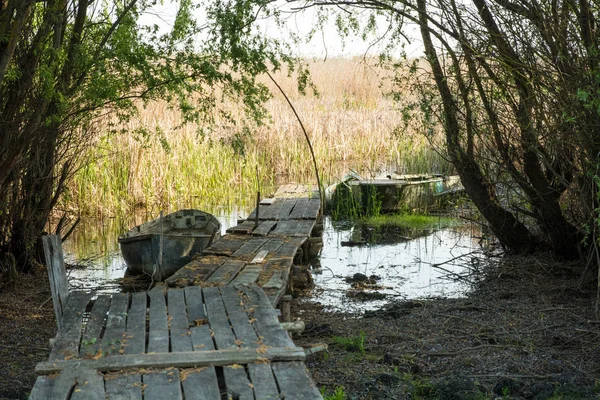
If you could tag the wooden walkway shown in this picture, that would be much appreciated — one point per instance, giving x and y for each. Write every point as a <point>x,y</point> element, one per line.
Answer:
<point>192,343</point>
<point>216,338</point>
<point>261,253</point>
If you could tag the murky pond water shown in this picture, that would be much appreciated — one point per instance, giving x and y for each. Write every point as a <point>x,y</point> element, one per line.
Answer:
<point>434,263</point>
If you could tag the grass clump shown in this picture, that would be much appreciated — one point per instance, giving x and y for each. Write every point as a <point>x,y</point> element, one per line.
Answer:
<point>352,343</point>
<point>408,221</point>
<point>338,394</point>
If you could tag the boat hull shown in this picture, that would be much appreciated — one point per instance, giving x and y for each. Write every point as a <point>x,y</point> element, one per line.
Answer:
<point>183,234</point>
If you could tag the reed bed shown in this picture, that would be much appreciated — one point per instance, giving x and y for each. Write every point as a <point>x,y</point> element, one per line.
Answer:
<point>352,124</point>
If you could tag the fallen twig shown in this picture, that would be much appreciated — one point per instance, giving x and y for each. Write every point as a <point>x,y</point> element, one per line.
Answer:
<point>44,303</point>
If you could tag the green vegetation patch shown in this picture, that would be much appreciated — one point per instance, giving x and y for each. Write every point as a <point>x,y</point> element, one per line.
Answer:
<point>338,394</point>
<point>353,343</point>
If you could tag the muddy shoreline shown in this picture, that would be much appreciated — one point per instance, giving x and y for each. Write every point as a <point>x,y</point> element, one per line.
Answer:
<point>528,331</point>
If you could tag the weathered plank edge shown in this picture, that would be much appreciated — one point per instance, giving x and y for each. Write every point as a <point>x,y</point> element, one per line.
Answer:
<point>179,360</point>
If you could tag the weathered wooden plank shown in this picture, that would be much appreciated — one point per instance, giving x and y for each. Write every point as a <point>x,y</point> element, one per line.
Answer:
<point>300,208</point>
<point>264,209</point>
<point>291,228</point>
<point>237,383</point>
<point>249,248</point>
<point>196,271</point>
<point>238,318</point>
<point>217,317</point>
<point>161,385</point>
<point>266,322</point>
<point>226,272</point>
<point>286,208</point>
<point>178,321</point>
<point>198,321</point>
<point>248,275</point>
<point>290,247</point>
<point>195,305</point>
<point>158,335</point>
<point>135,332</point>
<point>200,384</point>
<point>69,335</point>
<point>267,201</point>
<point>283,228</point>
<point>261,376</point>
<point>284,190</point>
<point>123,387</point>
<point>202,339</point>
<point>59,287</point>
<point>90,385</point>
<point>179,360</point>
<point>272,211</point>
<point>276,286</point>
<point>63,385</point>
<point>115,324</point>
<point>244,228</point>
<point>259,257</point>
<point>278,280</point>
<point>90,341</point>
<point>42,388</point>
<point>264,228</point>
<point>272,245</point>
<point>303,229</point>
<point>294,382</point>
<point>226,246</point>
<point>313,208</point>
<point>274,295</point>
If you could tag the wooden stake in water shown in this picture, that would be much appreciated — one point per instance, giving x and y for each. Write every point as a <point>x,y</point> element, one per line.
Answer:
<point>257,198</point>
<point>257,209</point>
<point>160,245</point>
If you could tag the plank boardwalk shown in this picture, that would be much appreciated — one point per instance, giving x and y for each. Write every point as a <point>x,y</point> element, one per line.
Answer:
<point>213,334</point>
<point>259,251</point>
<point>198,343</point>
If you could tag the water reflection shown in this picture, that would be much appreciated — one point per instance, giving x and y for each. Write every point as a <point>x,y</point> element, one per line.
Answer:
<point>405,267</point>
<point>403,262</point>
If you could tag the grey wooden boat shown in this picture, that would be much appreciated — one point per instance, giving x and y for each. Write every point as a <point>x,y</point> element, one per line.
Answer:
<point>160,247</point>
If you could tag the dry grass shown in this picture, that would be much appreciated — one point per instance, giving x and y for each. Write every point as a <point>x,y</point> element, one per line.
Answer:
<point>351,124</point>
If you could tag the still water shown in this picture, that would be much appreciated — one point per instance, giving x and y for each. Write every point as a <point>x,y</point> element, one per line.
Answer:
<point>433,263</point>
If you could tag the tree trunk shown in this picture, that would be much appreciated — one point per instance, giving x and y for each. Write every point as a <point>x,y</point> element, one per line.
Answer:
<point>511,232</point>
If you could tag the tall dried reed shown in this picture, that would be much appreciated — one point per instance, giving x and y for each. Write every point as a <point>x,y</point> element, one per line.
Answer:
<point>352,124</point>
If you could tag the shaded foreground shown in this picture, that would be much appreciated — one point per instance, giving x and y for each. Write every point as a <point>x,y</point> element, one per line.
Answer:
<point>26,326</point>
<point>526,332</point>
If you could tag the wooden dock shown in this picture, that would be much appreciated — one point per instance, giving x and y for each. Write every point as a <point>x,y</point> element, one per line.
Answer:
<point>216,337</point>
<point>259,250</point>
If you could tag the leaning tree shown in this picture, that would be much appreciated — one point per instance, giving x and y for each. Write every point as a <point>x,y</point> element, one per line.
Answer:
<point>514,88</point>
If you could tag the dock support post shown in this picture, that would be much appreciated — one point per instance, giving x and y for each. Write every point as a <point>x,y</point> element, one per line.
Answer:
<point>55,264</point>
<point>286,312</point>
<point>257,209</point>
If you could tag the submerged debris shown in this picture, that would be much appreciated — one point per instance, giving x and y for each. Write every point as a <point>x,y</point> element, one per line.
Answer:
<point>362,278</point>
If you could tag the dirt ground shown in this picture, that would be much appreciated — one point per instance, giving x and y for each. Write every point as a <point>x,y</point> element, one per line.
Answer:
<point>527,332</point>
<point>26,326</point>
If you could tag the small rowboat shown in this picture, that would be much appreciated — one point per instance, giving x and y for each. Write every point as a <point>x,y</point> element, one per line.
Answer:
<point>160,247</point>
